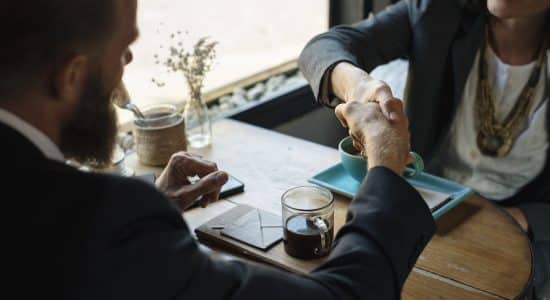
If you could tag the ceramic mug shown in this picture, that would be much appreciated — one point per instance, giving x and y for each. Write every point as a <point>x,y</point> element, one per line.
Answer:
<point>356,165</point>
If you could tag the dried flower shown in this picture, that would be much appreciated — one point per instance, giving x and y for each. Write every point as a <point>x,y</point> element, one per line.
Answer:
<point>193,64</point>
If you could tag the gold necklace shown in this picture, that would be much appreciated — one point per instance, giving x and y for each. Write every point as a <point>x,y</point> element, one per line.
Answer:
<point>495,138</point>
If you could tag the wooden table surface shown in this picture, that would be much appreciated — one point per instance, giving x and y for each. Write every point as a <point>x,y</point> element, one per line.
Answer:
<point>478,252</point>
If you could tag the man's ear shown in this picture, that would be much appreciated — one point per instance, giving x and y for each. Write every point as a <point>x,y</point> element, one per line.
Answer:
<point>70,78</point>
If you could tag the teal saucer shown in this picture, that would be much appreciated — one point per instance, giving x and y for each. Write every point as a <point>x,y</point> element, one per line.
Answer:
<point>339,181</point>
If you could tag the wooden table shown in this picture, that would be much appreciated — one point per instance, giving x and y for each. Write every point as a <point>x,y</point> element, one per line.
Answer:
<point>478,251</point>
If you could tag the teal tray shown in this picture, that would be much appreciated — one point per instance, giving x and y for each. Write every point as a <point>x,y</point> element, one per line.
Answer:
<point>339,181</point>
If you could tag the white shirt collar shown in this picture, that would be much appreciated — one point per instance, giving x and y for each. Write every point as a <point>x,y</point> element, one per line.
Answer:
<point>37,137</point>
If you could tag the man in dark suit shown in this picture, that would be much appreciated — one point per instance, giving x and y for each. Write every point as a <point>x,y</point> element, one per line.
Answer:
<point>445,42</point>
<point>75,235</point>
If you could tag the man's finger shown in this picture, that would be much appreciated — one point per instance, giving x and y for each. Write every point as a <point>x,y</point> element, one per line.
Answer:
<point>211,183</point>
<point>208,198</point>
<point>410,159</point>
<point>188,165</point>
<point>384,96</point>
<point>214,196</point>
<point>392,109</point>
<point>339,111</point>
<point>357,145</point>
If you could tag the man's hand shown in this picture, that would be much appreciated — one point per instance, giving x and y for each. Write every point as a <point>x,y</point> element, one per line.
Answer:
<point>518,216</point>
<point>175,181</point>
<point>384,143</point>
<point>350,83</point>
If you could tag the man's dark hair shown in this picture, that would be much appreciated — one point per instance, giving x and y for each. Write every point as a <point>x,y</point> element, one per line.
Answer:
<point>38,34</point>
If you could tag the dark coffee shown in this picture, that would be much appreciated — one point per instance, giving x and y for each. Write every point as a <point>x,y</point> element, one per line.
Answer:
<point>303,239</point>
<point>351,150</point>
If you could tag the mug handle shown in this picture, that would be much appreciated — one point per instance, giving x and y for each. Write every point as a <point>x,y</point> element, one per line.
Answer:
<point>417,166</point>
<point>325,238</point>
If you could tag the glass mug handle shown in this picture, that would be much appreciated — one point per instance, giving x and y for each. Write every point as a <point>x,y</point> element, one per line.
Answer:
<point>325,239</point>
<point>417,166</point>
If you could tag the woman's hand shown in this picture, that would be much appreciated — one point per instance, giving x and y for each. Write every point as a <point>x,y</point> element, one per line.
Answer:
<point>350,83</point>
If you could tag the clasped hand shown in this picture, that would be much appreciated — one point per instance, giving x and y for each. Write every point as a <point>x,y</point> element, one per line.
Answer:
<point>382,142</point>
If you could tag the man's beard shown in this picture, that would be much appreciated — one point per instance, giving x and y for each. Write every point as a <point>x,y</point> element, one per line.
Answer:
<point>90,134</point>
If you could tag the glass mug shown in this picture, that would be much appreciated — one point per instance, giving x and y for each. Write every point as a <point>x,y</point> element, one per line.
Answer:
<point>159,135</point>
<point>308,221</point>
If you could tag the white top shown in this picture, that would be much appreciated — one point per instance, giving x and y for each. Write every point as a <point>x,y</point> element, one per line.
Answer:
<point>37,137</point>
<point>492,177</point>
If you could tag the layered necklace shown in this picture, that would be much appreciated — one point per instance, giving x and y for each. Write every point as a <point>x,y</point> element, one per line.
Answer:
<point>497,138</point>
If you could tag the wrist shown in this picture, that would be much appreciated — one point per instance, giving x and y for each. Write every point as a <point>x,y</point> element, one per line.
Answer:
<point>346,79</point>
<point>397,168</point>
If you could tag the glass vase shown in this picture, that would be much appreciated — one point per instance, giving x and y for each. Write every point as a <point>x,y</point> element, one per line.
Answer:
<point>198,128</point>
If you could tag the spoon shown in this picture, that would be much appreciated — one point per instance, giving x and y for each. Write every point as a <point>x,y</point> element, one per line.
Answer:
<point>121,99</point>
<point>131,106</point>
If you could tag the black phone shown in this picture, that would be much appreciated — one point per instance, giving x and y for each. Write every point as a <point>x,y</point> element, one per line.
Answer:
<point>232,187</point>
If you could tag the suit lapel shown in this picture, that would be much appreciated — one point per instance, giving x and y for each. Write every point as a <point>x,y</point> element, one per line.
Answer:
<point>16,148</point>
<point>464,51</point>
<point>429,79</point>
<point>547,96</point>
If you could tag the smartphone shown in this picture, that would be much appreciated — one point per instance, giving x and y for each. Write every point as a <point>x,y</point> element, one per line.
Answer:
<point>232,187</point>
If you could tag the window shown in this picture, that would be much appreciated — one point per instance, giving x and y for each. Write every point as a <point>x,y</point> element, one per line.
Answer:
<point>253,36</point>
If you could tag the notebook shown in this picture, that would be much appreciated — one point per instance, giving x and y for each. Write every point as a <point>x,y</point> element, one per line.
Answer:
<point>244,224</point>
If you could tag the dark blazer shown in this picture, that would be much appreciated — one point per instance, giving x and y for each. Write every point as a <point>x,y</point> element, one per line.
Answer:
<point>75,235</point>
<point>440,40</point>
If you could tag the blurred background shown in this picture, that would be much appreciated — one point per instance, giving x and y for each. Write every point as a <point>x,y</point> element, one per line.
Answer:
<point>254,78</point>
<point>253,36</point>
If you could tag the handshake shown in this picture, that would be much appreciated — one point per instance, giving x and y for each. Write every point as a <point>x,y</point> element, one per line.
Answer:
<point>379,130</point>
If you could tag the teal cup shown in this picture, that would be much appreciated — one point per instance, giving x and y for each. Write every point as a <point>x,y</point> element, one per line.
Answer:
<point>356,165</point>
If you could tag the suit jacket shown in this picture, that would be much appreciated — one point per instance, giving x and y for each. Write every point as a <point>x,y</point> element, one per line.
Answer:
<point>440,39</point>
<point>76,235</point>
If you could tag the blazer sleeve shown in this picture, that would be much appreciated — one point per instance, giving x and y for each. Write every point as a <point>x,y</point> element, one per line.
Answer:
<point>534,202</point>
<point>538,218</point>
<point>375,41</point>
<point>152,255</point>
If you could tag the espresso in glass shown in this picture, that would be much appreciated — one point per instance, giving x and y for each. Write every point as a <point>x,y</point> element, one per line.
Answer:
<point>308,218</point>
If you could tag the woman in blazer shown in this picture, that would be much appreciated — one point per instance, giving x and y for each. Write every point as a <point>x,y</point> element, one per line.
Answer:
<point>477,94</point>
